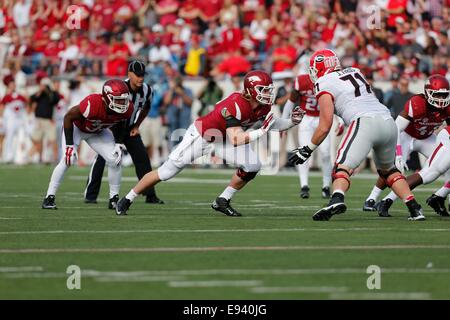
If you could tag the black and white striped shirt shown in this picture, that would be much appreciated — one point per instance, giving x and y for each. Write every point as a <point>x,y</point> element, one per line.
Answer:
<point>142,99</point>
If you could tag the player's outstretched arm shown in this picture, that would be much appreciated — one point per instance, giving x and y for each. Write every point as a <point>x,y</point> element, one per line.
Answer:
<point>237,136</point>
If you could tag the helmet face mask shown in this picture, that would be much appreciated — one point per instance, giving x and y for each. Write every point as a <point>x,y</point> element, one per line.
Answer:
<point>437,91</point>
<point>119,104</point>
<point>265,94</point>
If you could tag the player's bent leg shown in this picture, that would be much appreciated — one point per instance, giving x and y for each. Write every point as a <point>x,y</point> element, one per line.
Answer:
<point>397,182</point>
<point>336,205</point>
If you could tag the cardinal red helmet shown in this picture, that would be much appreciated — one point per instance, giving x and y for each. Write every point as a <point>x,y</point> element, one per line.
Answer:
<point>437,91</point>
<point>323,62</point>
<point>259,85</point>
<point>116,95</point>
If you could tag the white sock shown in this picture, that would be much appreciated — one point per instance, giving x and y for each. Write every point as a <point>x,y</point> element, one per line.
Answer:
<point>303,173</point>
<point>228,193</point>
<point>57,178</point>
<point>131,195</point>
<point>391,196</point>
<point>114,175</point>
<point>444,191</point>
<point>339,191</point>
<point>375,193</point>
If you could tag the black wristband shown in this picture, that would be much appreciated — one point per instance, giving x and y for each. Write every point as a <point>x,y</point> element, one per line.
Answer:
<point>68,134</point>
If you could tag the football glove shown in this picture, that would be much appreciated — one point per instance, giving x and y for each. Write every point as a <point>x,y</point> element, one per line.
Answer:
<point>117,153</point>
<point>300,155</point>
<point>268,122</point>
<point>401,164</point>
<point>70,155</point>
<point>297,115</point>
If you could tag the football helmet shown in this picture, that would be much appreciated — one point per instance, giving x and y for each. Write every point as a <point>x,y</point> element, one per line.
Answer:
<point>259,85</point>
<point>323,62</point>
<point>116,95</point>
<point>437,91</point>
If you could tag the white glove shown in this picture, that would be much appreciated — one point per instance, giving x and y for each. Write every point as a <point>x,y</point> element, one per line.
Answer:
<point>71,155</point>
<point>117,153</point>
<point>401,164</point>
<point>297,115</point>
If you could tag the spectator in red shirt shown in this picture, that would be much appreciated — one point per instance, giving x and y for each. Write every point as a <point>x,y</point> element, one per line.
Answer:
<point>233,64</point>
<point>283,57</point>
<point>188,11</point>
<point>118,57</point>
<point>167,11</point>
<point>396,8</point>
<point>231,36</point>
<point>103,12</point>
<point>209,10</point>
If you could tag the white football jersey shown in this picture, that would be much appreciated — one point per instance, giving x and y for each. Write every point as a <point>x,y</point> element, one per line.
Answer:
<point>352,95</point>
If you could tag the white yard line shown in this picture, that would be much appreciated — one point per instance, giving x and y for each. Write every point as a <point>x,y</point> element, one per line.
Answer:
<point>298,289</point>
<point>382,295</point>
<point>21,269</point>
<point>214,283</point>
<point>230,248</point>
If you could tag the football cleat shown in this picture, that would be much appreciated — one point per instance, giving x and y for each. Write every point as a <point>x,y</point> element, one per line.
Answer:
<point>304,192</point>
<point>113,202</point>
<point>90,201</point>
<point>122,206</point>
<point>49,203</point>
<point>415,211</point>
<point>223,205</point>
<point>383,208</point>
<point>335,206</point>
<point>438,205</point>
<point>153,199</point>
<point>369,205</point>
<point>326,192</point>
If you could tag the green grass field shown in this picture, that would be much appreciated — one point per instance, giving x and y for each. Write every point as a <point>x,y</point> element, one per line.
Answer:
<point>185,250</point>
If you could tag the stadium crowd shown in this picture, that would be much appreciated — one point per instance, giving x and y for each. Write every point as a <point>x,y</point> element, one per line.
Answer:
<point>391,40</point>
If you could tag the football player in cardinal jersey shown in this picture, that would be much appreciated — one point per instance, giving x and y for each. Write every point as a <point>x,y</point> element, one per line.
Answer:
<point>224,130</point>
<point>347,93</point>
<point>437,164</point>
<point>90,121</point>
<point>303,92</point>
<point>422,115</point>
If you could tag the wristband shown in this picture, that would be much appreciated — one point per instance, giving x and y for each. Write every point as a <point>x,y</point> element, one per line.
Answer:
<point>399,150</point>
<point>312,146</point>
<point>255,134</point>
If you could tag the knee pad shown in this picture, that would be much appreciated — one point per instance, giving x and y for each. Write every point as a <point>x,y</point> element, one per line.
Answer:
<point>246,176</point>
<point>341,173</point>
<point>168,170</point>
<point>391,176</point>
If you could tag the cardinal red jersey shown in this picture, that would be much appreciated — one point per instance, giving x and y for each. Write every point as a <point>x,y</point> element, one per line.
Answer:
<point>425,119</point>
<point>14,103</point>
<point>95,117</point>
<point>308,101</point>
<point>214,124</point>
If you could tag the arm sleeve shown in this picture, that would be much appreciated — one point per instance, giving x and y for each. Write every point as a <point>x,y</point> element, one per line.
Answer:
<point>282,124</point>
<point>287,109</point>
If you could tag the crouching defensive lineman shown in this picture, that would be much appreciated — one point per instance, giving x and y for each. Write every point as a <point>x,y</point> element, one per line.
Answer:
<point>224,130</point>
<point>437,164</point>
<point>347,93</point>
<point>90,121</point>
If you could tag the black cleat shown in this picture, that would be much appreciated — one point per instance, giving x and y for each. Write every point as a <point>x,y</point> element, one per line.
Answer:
<point>122,206</point>
<point>369,205</point>
<point>90,201</point>
<point>304,192</point>
<point>335,206</point>
<point>415,211</point>
<point>113,202</point>
<point>438,205</point>
<point>223,205</point>
<point>326,192</point>
<point>49,203</point>
<point>383,208</point>
<point>153,199</point>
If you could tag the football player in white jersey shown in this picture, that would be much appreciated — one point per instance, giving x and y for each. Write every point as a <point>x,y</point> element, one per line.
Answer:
<point>347,93</point>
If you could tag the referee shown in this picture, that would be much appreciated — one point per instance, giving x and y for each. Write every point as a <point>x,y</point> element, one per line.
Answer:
<point>142,99</point>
